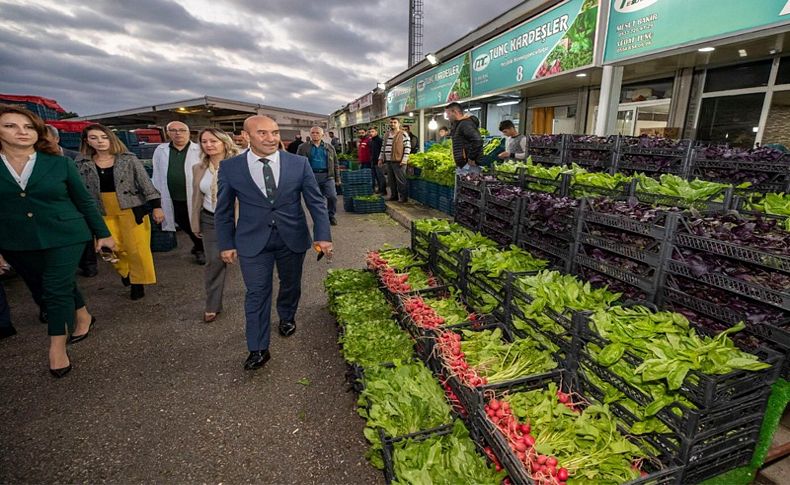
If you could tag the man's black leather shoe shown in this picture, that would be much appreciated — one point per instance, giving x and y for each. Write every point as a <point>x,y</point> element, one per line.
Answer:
<point>257,359</point>
<point>287,328</point>
<point>332,221</point>
<point>7,332</point>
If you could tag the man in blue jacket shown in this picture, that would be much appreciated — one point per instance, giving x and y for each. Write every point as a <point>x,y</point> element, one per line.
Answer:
<point>269,185</point>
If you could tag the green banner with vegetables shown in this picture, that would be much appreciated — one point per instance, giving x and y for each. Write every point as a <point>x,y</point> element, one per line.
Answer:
<point>402,98</point>
<point>559,40</point>
<point>445,83</point>
<point>639,27</point>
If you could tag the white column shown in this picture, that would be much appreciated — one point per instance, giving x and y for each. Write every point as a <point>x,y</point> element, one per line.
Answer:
<point>422,129</point>
<point>611,83</point>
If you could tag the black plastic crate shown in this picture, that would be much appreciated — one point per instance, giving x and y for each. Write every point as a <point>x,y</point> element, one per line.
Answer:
<point>664,472</point>
<point>510,177</point>
<point>684,237</point>
<point>716,465</point>
<point>650,255</point>
<point>562,225</point>
<point>661,228</point>
<point>469,216</point>
<point>770,296</point>
<point>449,266</point>
<point>596,152</point>
<point>648,283</point>
<point>420,242</point>
<point>546,142</point>
<point>634,145</point>
<point>558,186</point>
<point>502,232</point>
<point>624,189</point>
<point>705,391</point>
<point>557,252</point>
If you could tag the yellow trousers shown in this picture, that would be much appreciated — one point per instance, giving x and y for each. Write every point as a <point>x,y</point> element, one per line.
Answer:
<point>133,241</point>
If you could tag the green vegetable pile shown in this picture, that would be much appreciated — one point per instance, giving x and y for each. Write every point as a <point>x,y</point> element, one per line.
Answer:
<point>561,293</point>
<point>587,444</point>
<point>493,261</point>
<point>403,399</point>
<point>674,186</point>
<point>368,198</point>
<point>492,145</point>
<point>450,309</point>
<point>427,226</point>
<point>593,180</point>
<point>400,258</point>
<point>342,281</point>
<point>772,204</point>
<point>436,164</point>
<point>497,360</point>
<point>445,459</point>
<point>373,342</point>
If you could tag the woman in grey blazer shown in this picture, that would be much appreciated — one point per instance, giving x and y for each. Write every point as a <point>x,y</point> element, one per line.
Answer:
<point>215,146</point>
<point>124,193</point>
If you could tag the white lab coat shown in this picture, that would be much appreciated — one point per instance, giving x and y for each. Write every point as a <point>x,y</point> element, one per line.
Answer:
<point>159,178</point>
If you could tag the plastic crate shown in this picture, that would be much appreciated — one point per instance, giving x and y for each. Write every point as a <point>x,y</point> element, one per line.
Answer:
<point>770,296</point>
<point>558,186</point>
<point>711,204</point>
<point>708,392</point>
<point>661,228</point>
<point>592,152</point>
<point>449,266</point>
<point>650,255</point>
<point>510,177</point>
<point>162,241</point>
<point>501,232</point>
<point>362,177</point>
<point>619,192</point>
<point>558,252</point>
<point>659,473</point>
<point>561,338</point>
<point>368,207</point>
<point>354,190</point>
<point>467,215</point>
<point>562,225</point>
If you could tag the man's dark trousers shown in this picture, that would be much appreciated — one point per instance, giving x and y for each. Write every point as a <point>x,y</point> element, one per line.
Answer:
<point>257,272</point>
<point>328,189</point>
<point>181,216</point>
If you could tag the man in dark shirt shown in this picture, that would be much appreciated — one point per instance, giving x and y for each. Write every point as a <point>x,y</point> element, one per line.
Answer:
<point>379,178</point>
<point>467,142</point>
<point>323,161</point>
<point>294,145</point>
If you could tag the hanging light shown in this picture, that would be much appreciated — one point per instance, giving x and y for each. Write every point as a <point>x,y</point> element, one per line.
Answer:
<point>432,125</point>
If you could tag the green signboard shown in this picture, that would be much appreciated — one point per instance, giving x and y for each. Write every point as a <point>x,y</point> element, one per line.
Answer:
<point>638,27</point>
<point>556,41</point>
<point>444,83</point>
<point>402,98</point>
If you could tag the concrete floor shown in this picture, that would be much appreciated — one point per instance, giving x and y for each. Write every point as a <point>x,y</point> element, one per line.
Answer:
<point>158,396</point>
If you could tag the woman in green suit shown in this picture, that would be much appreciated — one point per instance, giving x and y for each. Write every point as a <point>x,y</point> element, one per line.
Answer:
<point>46,217</point>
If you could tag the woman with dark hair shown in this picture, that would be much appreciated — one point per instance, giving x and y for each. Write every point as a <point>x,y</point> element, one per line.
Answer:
<point>122,189</point>
<point>46,217</point>
<point>215,146</point>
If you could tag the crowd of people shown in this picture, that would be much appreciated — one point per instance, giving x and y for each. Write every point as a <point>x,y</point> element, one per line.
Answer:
<point>60,209</point>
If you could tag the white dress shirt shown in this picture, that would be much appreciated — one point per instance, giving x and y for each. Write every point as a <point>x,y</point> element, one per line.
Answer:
<point>205,189</point>
<point>26,171</point>
<point>256,168</point>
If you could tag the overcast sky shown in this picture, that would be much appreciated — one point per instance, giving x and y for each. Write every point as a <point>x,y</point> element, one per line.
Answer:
<point>100,56</point>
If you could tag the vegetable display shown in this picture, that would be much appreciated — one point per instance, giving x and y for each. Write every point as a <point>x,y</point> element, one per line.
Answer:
<point>397,259</point>
<point>436,164</point>
<point>493,262</point>
<point>372,342</point>
<point>559,443</point>
<point>400,400</point>
<point>685,190</point>
<point>443,459</point>
<point>430,313</point>
<point>773,204</point>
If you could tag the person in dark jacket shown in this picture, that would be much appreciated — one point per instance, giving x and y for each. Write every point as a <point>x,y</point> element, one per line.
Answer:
<point>379,178</point>
<point>467,142</point>
<point>294,145</point>
<point>413,139</point>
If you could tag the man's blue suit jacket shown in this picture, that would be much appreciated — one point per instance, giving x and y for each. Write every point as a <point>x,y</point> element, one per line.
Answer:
<point>249,235</point>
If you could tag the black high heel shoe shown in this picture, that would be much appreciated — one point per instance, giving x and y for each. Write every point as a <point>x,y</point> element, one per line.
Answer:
<point>73,339</point>
<point>58,373</point>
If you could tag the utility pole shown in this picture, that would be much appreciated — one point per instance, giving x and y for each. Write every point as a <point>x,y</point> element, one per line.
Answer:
<point>415,31</point>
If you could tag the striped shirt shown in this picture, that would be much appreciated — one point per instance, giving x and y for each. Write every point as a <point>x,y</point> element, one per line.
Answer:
<point>386,152</point>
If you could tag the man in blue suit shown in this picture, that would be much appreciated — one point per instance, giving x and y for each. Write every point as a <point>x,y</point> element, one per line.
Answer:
<point>269,185</point>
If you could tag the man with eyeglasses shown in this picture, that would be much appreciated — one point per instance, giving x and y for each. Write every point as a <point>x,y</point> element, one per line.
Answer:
<point>172,177</point>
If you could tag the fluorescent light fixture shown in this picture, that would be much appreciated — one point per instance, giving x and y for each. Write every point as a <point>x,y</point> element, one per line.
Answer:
<point>411,113</point>
<point>381,86</point>
<point>706,49</point>
<point>507,103</point>
<point>432,125</point>
<point>582,74</point>
<point>476,108</point>
<point>773,51</point>
<point>432,59</point>
<point>742,52</point>
<point>755,129</point>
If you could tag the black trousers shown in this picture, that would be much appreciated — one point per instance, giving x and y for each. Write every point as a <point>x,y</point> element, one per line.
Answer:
<point>88,261</point>
<point>181,215</point>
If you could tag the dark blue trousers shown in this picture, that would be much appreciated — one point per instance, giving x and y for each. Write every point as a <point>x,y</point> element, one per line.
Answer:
<point>257,272</point>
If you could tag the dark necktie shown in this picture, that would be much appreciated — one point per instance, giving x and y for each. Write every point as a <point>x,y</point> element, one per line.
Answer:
<point>268,180</point>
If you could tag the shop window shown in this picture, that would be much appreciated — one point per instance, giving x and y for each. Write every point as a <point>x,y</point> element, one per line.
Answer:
<point>730,119</point>
<point>749,75</point>
<point>783,75</point>
<point>646,91</point>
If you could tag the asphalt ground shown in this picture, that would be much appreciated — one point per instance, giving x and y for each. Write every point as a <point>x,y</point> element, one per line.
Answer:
<point>156,395</point>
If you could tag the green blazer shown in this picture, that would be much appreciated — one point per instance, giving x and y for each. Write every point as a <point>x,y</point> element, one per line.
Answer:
<point>54,210</point>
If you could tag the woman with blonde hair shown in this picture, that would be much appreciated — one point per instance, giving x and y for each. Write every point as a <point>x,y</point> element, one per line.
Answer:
<point>46,217</point>
<point>124,192</point>
<point>215,146</point>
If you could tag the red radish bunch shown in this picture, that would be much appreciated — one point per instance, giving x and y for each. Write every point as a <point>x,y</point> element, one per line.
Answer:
<point>543,469</point>
<point>395,282</point>
<point>375,261</point>
<point>422,314</point>
<point>458,407</point>
<point>491,456</point>
<point>449,347</point>
<point>567,400</point>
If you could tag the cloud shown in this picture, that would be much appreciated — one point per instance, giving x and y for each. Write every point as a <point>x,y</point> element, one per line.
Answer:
<point>311,56</point>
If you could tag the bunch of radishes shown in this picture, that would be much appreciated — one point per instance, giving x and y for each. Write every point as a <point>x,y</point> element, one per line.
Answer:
<point>458,407</point>
<point>449,348</point>
<point>422,314</point>
<point>497,465</point>
<point>375,262</point>
<point>395,282</point>
<point>543,469</point>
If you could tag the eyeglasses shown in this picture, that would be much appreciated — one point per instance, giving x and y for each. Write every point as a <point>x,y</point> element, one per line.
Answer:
<point>180,130</point>
<point>109,256</point>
